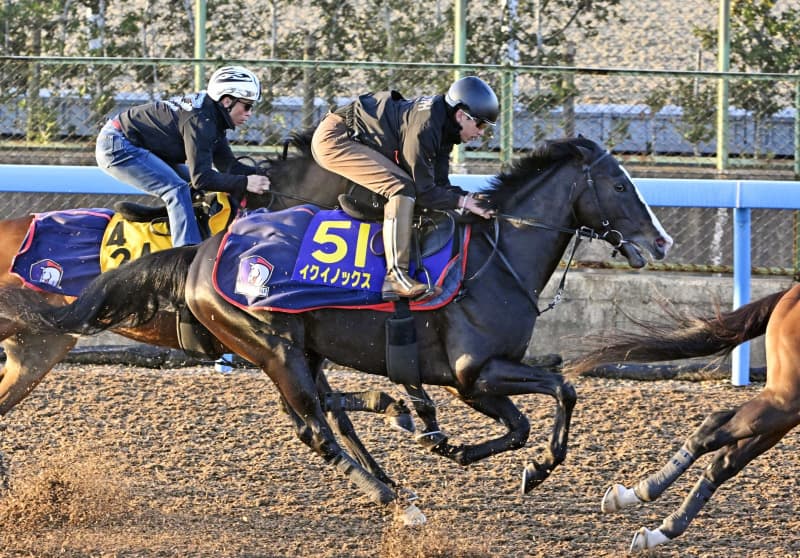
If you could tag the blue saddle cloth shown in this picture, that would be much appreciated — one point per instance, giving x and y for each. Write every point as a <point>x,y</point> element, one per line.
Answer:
<point>61,250</point>
<point>305,258</point>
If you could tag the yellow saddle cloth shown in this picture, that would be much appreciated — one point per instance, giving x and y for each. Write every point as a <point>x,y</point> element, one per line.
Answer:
<point>125,240</point>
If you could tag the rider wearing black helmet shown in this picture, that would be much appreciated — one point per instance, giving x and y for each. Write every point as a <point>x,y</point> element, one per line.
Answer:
<point>400,148</point>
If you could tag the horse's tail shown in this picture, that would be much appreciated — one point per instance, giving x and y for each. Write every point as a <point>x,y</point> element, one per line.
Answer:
<point>127,296</point>
<point>683,337</point>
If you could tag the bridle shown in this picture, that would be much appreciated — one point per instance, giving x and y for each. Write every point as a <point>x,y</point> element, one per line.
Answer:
<point>579,233</point>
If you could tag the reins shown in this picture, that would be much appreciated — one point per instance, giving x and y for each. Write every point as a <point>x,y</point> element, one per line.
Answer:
<point>284,157</point>
<point>300,199</point>
<point>579,233</point>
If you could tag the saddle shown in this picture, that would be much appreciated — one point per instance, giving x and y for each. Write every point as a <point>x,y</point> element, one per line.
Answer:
<point>142,213</point>
<point>432,228</point>
<point>431,231</point>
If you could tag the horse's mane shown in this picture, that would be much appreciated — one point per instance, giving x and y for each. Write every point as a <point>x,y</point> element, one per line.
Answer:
<point>537,162</point>
<point>301,140</point>
<point>502,187</point>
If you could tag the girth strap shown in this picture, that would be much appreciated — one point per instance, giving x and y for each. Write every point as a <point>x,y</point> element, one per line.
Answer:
<point>402,355</point>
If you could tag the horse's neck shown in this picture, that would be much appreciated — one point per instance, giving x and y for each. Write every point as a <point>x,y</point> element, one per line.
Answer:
<point>307,182</point>
<point>536,252</point>
<point>533,249</point>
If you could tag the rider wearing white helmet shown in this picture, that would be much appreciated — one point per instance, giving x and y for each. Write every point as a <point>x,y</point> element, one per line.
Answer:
<point>235,82</point>
<point>400,148</point>
<point>165,146</point>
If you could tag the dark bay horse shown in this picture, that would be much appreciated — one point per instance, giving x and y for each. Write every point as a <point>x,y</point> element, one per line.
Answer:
<point>294,181</point>
<point>29,357</point>
<point>737,436</point>
<point>472,346</point>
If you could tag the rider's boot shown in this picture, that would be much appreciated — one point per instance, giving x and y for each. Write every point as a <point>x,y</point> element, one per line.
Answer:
<point>397,218</point>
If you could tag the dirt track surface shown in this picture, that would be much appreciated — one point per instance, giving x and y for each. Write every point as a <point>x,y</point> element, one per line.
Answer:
<point>114,461</point>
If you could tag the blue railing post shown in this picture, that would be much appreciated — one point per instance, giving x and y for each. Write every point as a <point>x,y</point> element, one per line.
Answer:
<point>740,358</point>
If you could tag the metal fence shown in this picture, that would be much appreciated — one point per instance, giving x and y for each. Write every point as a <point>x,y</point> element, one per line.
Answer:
<point>52,108</point>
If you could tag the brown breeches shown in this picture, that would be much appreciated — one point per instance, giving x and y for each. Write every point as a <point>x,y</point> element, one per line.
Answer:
<point>335,151</point>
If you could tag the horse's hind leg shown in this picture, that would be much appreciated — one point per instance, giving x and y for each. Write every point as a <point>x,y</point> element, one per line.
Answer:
<point>29,357</point>
<point>335,405</point>
<point>739,435</point>
<point>762,415</point>
<point>293,373</point>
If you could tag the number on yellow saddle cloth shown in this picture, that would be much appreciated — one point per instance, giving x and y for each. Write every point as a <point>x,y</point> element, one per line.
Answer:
<point>126,240</point>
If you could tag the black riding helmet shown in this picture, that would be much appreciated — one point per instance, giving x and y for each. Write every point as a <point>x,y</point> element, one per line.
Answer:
<point>475,97</point>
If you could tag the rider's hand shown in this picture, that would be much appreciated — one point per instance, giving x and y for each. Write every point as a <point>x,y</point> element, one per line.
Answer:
<point>469,203</point>
<point>257,184</point>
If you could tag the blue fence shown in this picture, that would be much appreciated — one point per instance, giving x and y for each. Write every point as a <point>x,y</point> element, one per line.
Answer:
<point>740,195</point>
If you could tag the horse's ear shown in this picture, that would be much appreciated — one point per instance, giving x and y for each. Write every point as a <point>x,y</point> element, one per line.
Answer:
<point>584,153</point>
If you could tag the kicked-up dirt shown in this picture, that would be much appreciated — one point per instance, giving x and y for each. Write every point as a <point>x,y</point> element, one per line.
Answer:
<point>111,461</point>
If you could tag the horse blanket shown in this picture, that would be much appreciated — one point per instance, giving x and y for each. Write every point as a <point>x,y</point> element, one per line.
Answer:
<point>304,258</point>
<point>64,250</point>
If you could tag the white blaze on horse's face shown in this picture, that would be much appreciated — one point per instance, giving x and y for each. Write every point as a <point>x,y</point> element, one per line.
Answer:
<point>656,223</point>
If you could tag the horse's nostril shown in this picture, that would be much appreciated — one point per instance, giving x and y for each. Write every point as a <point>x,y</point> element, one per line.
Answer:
<point>661,242</point>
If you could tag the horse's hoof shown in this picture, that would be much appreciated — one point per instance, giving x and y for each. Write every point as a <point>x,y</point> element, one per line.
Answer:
<point>404,422</point>
<point>431,440</point>
<point>532,476</point>
<point>407,494</point>
<point>618,497</point>
<point>644,538</point>
<point>412,516</point>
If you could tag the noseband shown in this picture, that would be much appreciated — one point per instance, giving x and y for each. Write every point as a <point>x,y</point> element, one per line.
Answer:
<point>608,232</point>
<point>579,233</point>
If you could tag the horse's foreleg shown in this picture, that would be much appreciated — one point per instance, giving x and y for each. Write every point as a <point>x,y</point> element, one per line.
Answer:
<point>502,410</point>
<point>431,438</point>
<point>727,462</point>
<point>397,414</point>
<point>503,378</point>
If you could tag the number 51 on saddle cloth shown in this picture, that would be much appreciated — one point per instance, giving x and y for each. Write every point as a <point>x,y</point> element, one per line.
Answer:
<point>304,258</point>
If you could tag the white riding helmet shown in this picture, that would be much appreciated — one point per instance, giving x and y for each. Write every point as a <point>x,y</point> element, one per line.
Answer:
<point>235,81</point>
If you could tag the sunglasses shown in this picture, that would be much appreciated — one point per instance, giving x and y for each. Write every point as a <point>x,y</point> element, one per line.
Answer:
<point>246,106</point>
<point>480,124</point>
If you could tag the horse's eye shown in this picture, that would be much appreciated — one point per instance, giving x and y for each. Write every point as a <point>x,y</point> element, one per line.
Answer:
<point>619,187</point>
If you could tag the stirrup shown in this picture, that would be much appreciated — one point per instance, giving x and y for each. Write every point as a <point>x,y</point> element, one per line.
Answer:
<point>393,288</point>
<point>431,292</point>
<point>393,296</point>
